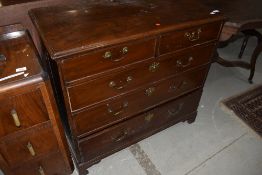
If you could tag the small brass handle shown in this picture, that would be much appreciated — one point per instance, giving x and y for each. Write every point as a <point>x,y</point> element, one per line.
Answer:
<point>193,36</point>
<point>15,118</point>
<point>121,137</point>
<point>41,170</point>
<point>129,78</point>
<point>119,111</point>
<point>179,86</point>
<point>125,50</point>
<point>107,55</point>
<point>154,66</point>
<point>149,117</point>
<point>150,91</point>
<point>113,84</point>
<point>173,112</point>
<point>179,63</point>
<point>31,149</point>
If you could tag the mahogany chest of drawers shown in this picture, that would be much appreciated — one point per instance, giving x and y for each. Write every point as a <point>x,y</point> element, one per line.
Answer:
<point>125,70</point>
<point>32,141</point>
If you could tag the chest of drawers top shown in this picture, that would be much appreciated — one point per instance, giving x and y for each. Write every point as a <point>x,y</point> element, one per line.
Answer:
<point>85,26</point>
<point>18,60</point>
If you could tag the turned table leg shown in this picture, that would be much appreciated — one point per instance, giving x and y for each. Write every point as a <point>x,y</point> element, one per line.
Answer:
<point>243,47</point>
<point>250,66</point>
<point>256,52</point>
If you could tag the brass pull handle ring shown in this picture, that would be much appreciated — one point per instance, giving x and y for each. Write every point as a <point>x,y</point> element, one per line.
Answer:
<point>150,91</point>
<point>180,63</point>
<point>119,111</point>
<point>109,55</point>
<point>193,36</point>
<point>173,112</point>
<point>179,86</point>
<point>154,66</point>
<point>121,137</point>
<point>114,85</point>
<point>149,117</point>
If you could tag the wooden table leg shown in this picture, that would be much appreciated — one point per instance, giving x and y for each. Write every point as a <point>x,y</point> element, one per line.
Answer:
<point>250,66</point>
<point>256,52</point>
<point>243,47</point>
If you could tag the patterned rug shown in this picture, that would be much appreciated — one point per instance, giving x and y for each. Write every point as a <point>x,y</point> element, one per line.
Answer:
<point>248,107</point>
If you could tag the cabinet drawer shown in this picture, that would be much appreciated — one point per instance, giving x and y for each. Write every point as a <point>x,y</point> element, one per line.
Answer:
<point>122,107</point>
<point>22,111</point>
<point>106,59</point>
<point>132,130</point>
<point>28,145</point>
<point>185,38</point>
<point>88,93</point>
<point>51,164</point>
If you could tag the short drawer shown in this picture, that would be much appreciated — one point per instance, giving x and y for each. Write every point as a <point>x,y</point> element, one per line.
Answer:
<point>100,144</point>
<point>22,111</point>
<point>104,60</point>
<point>51,164</point>
<point>117,109</point>
<point>189,37</point>
<point>91,92</point>
<point>33,143</point>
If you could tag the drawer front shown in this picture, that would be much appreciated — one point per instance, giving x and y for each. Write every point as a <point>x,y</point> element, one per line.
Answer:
<point>91,92</point>
<point>22,111</point>
<point>132,130</point>
<point>123,107</point>
<point>32,144</point>
<point>181,39</point>
<point>106,59</point>
<point>52,164</point>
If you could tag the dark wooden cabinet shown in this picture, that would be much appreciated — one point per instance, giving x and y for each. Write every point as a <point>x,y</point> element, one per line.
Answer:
<point>125,70</point>
<point>32,139</point>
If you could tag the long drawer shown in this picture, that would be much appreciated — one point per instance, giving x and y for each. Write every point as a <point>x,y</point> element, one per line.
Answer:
<point>115,137</point>
<point>51,164</point>
<point>109,58</point>
<point>30,144</point>
<point>21,112</point>
<point>126,106</point>
<point>91,92</point>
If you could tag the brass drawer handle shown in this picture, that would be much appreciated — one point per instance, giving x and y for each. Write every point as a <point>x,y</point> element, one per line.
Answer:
<point>41,170</point>
<point>107,55</point>
<point>150,91</point>
<point>31,149</point>
<point>125,50</point>
<point>149,117</point>
<point>119,111</point>
<point>154,66</point>
<point>113,84</point>
<point>180,63</point>
<point>173,112</point>
<point>193,36</point>
<point>15,118</point>
<point>122,136</point>
<point>179,86</point>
